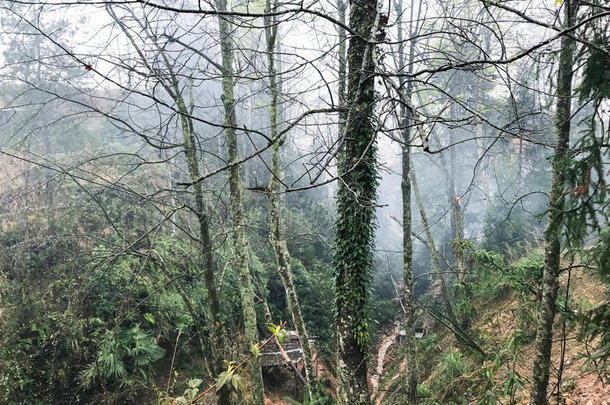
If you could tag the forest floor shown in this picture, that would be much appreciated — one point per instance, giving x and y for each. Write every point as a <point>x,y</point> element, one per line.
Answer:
<point>580,384</point>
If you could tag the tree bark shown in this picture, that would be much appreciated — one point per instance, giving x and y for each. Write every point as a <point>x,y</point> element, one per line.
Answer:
<point>410,375</point>
<point>457,219</point>
<point>552,248</point>
<point>456,207</point>
<point>240,246</point>
<point>276,235</point>
<point>355,211</point>
<point>409,295</point>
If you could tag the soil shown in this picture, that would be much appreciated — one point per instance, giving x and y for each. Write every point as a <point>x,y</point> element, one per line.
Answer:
<point>385,341</point>
<point>580,385</point>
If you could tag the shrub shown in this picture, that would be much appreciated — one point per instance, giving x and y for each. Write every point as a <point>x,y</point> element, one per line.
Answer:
<point>123,357</point>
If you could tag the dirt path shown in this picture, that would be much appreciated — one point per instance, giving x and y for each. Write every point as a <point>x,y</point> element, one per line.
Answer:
<point>384,345</point>
<point>387,385</point>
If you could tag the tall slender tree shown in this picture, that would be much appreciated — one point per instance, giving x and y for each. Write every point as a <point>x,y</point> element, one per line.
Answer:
<point>276,235</point>
<point>213,306</point>
<point>406,114</point>
<point>240,244</point>
<point>552,236</point>
<point>436,261</point>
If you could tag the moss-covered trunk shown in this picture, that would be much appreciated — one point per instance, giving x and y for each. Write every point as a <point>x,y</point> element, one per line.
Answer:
<point>276,234</point>
<point>355,211</point>
<point>217,330</point>
<point>410,375</point>
<point>240,245</point>
<point>552,248</point>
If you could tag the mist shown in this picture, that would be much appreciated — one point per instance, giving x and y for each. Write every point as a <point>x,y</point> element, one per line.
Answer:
<point>326,202</point>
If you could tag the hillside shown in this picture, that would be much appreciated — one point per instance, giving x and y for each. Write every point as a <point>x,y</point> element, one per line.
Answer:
<point>496,325</point>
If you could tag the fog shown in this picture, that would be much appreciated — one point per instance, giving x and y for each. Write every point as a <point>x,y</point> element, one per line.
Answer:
<point>121,192</point>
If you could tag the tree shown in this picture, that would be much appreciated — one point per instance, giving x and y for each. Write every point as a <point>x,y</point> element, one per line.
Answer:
<point>552,235</point>
<point>355,209</point>
<point>276,234</point>
<point>406,112</point>
<point>207,262</point>
<point>240,244</point>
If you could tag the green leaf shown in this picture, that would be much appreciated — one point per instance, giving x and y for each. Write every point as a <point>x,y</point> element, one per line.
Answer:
<point>255,350</point>
<point>223,378</point>
<point>238,383</point>
<point>96,321</point>
<point>149,317</point>
<point>191,393</point>
<point>194,382</point>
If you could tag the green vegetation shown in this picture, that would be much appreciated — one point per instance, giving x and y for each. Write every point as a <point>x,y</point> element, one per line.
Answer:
<point>344,202</point>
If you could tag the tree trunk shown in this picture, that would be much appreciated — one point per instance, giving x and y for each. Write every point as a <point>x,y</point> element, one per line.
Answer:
<point>410,375</point>
<point>456,207</point>
<point>407,243</point>
<point>457,219</point>
<point>217,330</point>
<point>552,248</point>
<point>341,72</point>
<point>276,235</point>
<point>240,260</point>
<point>355,211</point>
<point>436,263</point>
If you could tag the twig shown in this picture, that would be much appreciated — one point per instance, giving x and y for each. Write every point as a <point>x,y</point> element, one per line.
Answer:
<point>171,367</point>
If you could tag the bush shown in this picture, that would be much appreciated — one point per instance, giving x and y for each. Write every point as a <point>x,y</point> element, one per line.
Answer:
<point>447,384</point>
<point>423,391</point>
<point>453,365</point>
<point>123,357</point>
